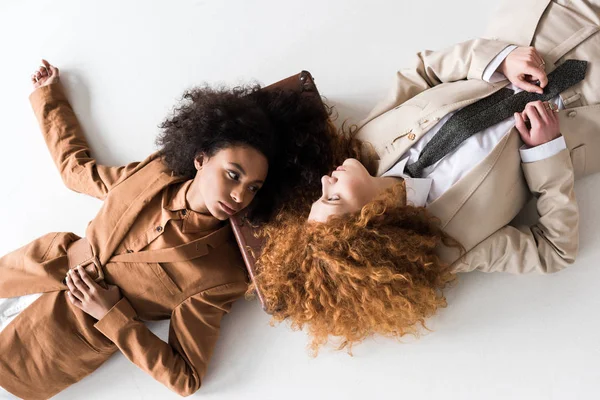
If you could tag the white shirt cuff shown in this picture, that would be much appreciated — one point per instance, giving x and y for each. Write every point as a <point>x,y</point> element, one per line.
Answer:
<point>543,151</point>
<point>489,74</point>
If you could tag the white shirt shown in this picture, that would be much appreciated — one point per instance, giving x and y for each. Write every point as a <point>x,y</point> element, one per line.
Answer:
<point>439,177</point>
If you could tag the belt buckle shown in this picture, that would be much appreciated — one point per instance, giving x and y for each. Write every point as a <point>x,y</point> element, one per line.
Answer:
<point>98,267</point>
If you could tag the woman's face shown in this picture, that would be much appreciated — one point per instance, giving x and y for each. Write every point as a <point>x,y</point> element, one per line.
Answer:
<point>227,182</point>
<point>347,190</point>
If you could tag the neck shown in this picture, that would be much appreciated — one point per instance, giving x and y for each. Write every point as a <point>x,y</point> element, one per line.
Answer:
<point>195,200</point>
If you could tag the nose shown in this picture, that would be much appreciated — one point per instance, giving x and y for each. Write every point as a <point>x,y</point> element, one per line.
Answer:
<point>327,180</point>
<point>237,195</point>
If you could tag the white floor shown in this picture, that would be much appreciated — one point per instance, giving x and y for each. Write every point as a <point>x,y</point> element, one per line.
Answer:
<point>124,64</point>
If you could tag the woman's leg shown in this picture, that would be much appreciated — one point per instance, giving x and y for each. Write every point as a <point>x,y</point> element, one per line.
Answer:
<point>37,267</point>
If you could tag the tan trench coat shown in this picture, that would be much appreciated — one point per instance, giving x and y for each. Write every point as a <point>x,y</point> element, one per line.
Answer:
<point>52,344</point>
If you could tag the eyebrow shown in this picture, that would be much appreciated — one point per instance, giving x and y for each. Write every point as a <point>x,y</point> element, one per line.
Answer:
<point>238,166</point>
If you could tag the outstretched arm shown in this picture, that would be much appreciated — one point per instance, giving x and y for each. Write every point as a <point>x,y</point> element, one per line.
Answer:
<point>64,138</point>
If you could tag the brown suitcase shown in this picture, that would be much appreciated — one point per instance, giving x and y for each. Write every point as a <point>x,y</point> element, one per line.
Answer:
<point>249,244</point>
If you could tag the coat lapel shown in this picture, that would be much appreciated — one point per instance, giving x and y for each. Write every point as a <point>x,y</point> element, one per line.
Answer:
<point>123,205</point>
<point>449,203</point>
<point>396,131</point>
<point>513,24</point>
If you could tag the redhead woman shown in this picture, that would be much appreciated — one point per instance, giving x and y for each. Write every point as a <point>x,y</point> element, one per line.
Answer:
<point>462,143</point>
<point>160,247</point>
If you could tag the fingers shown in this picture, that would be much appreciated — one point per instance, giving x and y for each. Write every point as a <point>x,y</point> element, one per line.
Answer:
<point>544,124</point>
<point>74,300</point>
<point>521,127</point>
<point>73,289</point>
<point>528,86</point>
<point>543,78</point>
<point>86,279</point>
<point>540,65</point>
<point>542,109</point>
<point>531,113</point>
<point>76,285</point>
<point>526,67</point>
<point>52,70</point>
<point>553,112</point>
<point>43,74</point>
<point>537,73</point>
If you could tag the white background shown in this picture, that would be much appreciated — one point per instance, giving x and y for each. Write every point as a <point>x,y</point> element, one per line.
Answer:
<point>125,63</point>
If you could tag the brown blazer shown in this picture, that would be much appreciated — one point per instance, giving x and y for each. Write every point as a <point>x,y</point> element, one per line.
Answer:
<point>53,344</point>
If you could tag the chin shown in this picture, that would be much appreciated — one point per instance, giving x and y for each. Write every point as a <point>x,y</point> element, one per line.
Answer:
<point>218,213</point>
<point>221,215</point>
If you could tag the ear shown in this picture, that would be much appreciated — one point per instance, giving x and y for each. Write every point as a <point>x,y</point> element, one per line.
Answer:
<point>199,161</point>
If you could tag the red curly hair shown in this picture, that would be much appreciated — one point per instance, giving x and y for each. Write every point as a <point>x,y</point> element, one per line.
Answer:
<point>371,272</point>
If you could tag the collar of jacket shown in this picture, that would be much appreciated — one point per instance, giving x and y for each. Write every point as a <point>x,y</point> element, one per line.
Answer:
<point>124,203</point>
<point>174,201</point>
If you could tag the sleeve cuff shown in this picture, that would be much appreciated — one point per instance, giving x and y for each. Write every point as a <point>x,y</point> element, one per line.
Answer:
<point>116,318</point>
<point>543,151</point>
<point>41,94</point>
<point>489,74</point>
<point>484,52</point>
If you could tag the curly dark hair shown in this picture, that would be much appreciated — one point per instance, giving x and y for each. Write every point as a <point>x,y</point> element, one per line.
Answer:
<point>292,129</point>
<point>211,119</point>
<point>305,149</point>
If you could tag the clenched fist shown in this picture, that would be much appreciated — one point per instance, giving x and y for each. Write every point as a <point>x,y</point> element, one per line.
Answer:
<point>45,75</point>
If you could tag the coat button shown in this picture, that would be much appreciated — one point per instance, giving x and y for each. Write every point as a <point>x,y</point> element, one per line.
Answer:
<point>572,114</point>
<point>411,136</point>
<point>159,228</point>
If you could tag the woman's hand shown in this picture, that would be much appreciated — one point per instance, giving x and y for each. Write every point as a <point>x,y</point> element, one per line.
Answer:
<point>543,118</point>
<point>87,295</point>
<point>523,66</point>
<point>45,75</point>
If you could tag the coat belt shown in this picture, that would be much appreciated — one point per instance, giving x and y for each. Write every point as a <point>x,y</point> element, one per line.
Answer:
<point>80,253</point>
